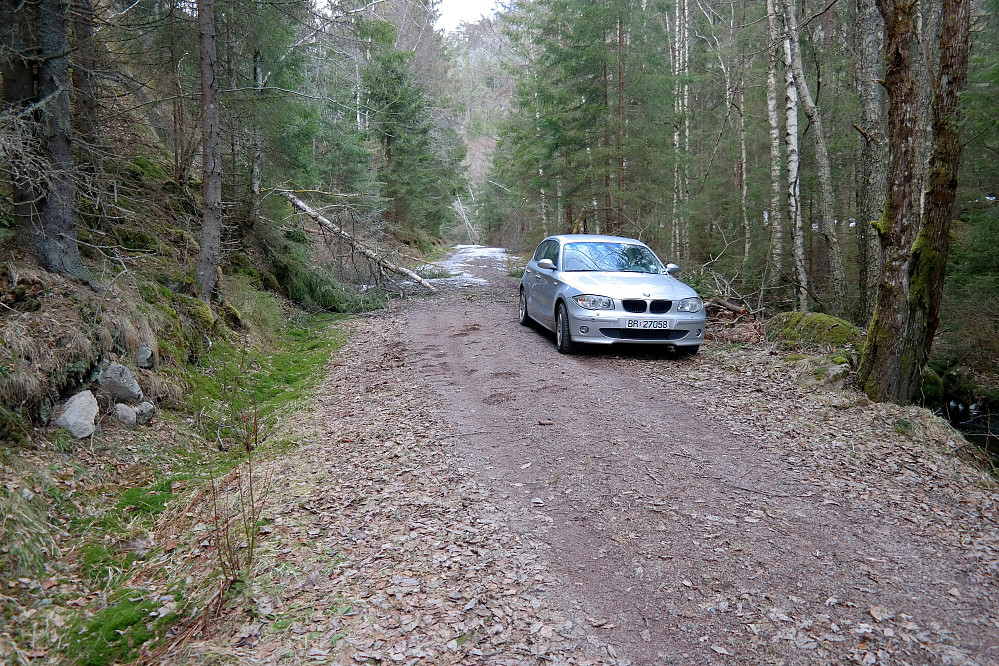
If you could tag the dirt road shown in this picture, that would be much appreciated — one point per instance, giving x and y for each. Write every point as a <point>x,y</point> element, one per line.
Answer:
<point>463,494</point>
<point>672,519</point>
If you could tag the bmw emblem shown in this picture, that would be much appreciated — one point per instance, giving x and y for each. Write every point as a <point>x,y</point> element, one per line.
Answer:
<point>646,294</point>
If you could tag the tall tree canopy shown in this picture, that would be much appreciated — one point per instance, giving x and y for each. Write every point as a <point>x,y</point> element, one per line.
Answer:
<point>752,141</point>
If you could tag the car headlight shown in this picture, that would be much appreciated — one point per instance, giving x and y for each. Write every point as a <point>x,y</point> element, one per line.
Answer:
<point>689,305</point>
<point>591,302</point>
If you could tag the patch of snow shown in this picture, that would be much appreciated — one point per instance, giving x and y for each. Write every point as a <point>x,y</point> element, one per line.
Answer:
<point>462,264</point>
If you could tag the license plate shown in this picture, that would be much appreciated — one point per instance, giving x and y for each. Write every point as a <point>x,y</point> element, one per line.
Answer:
<point>647,324</point>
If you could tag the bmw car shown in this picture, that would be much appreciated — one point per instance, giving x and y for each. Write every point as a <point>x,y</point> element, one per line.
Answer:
<point>605,290</point>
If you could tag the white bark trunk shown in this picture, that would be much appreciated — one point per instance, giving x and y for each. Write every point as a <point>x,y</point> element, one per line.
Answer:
<point>827,218</point>
<point>776,267</point>
<point>744,172</point>
<point>793,181</point>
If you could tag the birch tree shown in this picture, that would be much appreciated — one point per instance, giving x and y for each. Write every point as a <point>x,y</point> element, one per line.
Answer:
<point>827,218</point>
<point>775,267</point>
<point>794,213</point>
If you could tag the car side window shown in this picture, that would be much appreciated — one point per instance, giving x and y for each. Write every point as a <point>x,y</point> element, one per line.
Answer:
<point>552,252</point>
<point>539,254</point>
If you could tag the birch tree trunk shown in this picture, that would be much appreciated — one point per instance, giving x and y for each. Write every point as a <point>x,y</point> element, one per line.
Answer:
<point>743,172</point>
<point>684,69</point>
<point>827,218</point>
<point>680,240</point>
<point>211,150</point>
<point>776,266</point>
<point>619,224</point>
<point>793,180</point>
<point>873,176</point>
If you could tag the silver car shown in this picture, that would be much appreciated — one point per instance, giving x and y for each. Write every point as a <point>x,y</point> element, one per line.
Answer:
<point>608,290</point>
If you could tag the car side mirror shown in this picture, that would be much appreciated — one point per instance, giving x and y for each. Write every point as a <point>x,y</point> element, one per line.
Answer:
<point>546,264</point>
<point>672,269</point>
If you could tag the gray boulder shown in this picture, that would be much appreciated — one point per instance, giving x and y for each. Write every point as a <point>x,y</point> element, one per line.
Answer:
<point>120,382</point>
<point>144,413</point>
<point>125,413</point>
<point>144,357</point>
<point>79,415</point>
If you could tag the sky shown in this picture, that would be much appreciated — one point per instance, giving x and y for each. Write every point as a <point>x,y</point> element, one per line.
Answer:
<point>454,12</point>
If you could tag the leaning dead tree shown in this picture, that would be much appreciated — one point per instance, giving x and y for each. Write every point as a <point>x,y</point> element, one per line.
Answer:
<point>359,247</point>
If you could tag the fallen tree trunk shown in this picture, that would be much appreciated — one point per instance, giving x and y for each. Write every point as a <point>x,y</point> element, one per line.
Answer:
<point>353,242</point>
<point>729,305</point>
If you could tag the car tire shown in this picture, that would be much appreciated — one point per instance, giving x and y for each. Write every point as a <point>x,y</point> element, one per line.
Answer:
<point>523,317</point>
<point>563,336</point>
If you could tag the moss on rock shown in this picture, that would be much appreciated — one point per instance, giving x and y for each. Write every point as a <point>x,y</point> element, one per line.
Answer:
<point>931,389</point>
<point>813,328</point>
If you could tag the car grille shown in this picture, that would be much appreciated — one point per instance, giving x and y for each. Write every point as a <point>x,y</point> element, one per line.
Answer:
<point>636,306</point>
<point>639,334</point>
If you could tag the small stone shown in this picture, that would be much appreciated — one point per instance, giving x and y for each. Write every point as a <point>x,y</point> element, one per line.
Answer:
<point>144,413</point>
<point>126,414</point>
<point>144,357</point>
<point>79,415</point>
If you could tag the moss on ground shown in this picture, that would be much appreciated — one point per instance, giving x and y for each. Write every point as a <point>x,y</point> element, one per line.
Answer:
<point>151,499</point>
<point>117,632</point>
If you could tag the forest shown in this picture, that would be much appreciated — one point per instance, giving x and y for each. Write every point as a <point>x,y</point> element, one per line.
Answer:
<point>203,190</point>
<point>836,157</point>
<point>793,156</point>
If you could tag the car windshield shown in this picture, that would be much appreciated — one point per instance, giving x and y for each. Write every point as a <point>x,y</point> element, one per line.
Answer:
<point>611,257</point>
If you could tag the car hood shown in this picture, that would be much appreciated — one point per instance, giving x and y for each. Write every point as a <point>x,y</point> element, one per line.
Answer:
<point>628,285</point>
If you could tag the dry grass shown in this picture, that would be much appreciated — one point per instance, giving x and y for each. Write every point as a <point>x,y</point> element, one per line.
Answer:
<point>126,335</point>
<point>25,533</point>
<point>45,352</point>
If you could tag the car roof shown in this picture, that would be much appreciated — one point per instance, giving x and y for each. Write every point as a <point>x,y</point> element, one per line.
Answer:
<point>570,238</point>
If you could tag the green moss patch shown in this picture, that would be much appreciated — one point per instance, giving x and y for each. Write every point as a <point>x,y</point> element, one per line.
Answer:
<point>150,500</point>
<point>116,633</point>
<point>813,328</point>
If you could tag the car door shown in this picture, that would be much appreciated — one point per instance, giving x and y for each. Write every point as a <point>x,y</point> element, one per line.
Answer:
<point>546,285</point>
<point>532,275</point>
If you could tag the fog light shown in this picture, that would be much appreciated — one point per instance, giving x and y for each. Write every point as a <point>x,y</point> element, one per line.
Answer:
<point>584,329</point>
<point>698,332</point>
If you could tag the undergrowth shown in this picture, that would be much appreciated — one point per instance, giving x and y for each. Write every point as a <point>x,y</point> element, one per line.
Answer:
<point>93,580</point>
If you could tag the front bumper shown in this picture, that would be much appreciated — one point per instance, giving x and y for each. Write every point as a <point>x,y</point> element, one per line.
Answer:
<point>607,327</point>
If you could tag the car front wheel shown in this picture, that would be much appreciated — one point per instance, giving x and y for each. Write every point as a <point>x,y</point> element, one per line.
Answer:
<point>525,319</point>
<point>563,338</point>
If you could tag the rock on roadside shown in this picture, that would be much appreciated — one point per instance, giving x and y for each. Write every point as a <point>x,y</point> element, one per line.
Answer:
<point>125,413</point>
<point>79,415</point>
<point>144,413</point>
<point>144,357</point>
<point>120,382</point>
